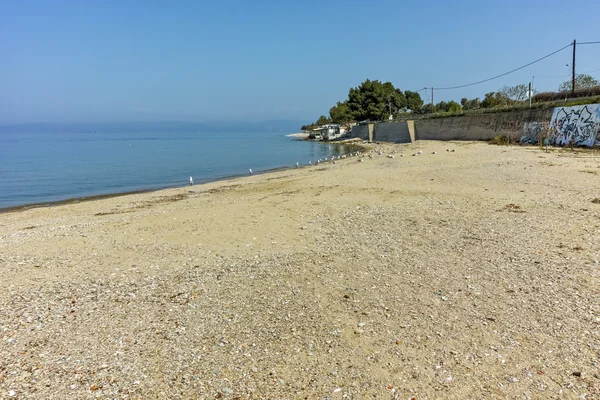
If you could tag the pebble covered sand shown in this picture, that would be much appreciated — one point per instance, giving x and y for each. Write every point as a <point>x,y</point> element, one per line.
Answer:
<point>465,274</point>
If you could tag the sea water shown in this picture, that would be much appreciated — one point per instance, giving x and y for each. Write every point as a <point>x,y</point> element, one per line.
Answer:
<point>46,167</point>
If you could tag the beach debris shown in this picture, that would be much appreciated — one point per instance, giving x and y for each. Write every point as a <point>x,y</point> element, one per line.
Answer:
<point>452,151</point>
<point>420,152</point>
<point>337,390</point>
<point>596,200</point>
<point>390,156</point>
<point>434,152</point>
<point>250,171</point>
<point>416,154</point>
<point>577,374</point>
<point>11,393</point>
<point>361,160</point>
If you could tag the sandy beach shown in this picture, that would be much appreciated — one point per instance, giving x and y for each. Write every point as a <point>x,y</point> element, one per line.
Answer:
<point>466,274</point>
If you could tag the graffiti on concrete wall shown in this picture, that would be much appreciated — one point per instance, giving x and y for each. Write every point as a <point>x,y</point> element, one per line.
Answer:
<point>534,131</point>
<point>577,125</point>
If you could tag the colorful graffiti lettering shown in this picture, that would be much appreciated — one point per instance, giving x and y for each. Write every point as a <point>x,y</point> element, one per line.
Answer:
<point>578,125</point>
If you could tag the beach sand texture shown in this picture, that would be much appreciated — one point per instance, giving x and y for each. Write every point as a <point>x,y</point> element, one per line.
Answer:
<point>458,275</point>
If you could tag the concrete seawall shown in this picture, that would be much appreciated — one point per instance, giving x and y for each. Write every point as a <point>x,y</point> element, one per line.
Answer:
<point>481,126</point>
<point>385,132</point>
<point>579,125</point>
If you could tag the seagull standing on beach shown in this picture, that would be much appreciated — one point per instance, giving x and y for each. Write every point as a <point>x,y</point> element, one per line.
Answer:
<point>250,171</point>
<point>191,181</point>
<point>297,165</point>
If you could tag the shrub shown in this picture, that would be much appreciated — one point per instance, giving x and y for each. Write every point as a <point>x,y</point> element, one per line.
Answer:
<point>552,96</point>
<point>500,139</point>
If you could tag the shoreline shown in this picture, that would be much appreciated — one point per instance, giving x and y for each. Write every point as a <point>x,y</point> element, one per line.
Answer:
<point>81,199</point>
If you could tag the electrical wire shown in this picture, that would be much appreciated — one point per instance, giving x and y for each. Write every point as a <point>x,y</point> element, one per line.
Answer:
<point>506,73</point>
<point>598,42</point>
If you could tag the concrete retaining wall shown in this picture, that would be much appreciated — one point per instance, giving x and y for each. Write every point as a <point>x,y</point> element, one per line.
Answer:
<point>481,126</point>
<point>392,132</point>
<point>360,131</point>
<point>579,125</point>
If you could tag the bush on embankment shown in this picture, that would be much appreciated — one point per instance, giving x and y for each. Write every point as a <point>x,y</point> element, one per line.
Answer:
<point>553,96</point>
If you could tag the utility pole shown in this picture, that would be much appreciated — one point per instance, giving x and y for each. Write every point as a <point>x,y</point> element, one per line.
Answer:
<point>432,95</point>
<point>530,94</point>
<point>573,84</point>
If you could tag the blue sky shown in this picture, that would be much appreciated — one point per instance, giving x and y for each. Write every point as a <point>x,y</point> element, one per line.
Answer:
<point>111,61</point>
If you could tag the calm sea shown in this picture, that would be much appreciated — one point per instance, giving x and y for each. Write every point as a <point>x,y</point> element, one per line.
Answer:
<point>37,168</point>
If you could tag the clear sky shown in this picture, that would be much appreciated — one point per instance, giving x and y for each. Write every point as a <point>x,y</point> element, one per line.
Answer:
<point>111,61</point>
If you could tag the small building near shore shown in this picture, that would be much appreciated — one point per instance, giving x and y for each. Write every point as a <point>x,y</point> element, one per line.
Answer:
<point>331,131</point>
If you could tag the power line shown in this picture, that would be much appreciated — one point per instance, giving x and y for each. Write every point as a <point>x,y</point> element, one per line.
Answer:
<point>598,42</point>
<point>506,73</point>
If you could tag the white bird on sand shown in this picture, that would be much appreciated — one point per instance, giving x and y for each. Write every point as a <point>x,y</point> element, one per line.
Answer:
<point>250,171</point>
<point>297,165</point>
<point>309,163</point>
<point>191,181</point>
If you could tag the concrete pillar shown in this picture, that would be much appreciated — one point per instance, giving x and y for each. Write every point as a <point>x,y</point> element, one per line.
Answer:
<point>411,130</point>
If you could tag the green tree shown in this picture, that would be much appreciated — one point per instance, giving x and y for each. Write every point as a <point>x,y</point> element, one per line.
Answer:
<point>472,104</point>
<point>494,99</point>
<point>454,107</point>
<point>375,101</point>
<point>323,120</point>
<point>582,81</point>
<point>340,113</point>
<point>414,102</point>
<point>427,109</point>
<point>442,106</point>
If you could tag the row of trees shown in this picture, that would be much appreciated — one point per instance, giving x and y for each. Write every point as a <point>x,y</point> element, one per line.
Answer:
<point>377,101</point>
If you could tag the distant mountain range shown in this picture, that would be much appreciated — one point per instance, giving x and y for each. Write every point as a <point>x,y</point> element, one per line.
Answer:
<point>274,126</point>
